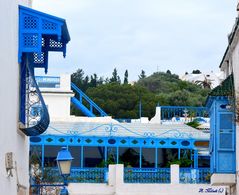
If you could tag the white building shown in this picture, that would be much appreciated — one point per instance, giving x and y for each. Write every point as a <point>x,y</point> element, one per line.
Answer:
<point>230,67</point>
<point>11,138</point>
<point>213,78</point>
<point>25,44</point>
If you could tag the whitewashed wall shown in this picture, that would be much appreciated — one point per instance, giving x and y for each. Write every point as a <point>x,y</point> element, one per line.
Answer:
<point>58,100</point>
<point>233,66</point>
<point>11,140</point>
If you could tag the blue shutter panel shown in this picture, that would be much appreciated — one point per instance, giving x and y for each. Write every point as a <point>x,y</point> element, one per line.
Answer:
<point>226,133</point>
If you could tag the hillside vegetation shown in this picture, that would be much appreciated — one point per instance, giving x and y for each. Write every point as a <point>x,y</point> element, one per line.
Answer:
<point>123,100</point>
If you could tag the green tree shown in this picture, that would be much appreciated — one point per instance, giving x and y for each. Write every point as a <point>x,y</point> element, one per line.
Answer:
<point>126,77</point>
<point>196,72</point>
<point>115,77</point>
<point>142,75</point>
<point>78,77</point>
<point>168,72</point>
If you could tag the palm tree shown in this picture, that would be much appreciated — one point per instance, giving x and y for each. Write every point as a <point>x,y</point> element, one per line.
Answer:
<point>206,83</point>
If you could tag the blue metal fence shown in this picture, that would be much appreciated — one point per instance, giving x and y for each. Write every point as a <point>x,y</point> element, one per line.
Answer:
<point>89,175</point>
<point>78,175</point>
<point>51,182</point>
<point>189,175</point>
<point>147,175</point>
<point>168,112</point>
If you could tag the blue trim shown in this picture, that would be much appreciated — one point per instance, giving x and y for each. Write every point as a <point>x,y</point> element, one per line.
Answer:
<point>61,140</point>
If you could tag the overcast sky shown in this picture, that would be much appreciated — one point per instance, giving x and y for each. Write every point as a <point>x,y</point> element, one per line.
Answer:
<point>153,35</point>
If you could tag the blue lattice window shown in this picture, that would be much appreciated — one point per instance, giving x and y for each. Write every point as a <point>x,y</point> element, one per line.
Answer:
<point>40,33</point>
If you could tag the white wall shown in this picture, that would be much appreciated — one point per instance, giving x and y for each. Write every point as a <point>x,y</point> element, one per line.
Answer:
<point>233,67</point>
<point>58,100</point>
<point>10,138</point>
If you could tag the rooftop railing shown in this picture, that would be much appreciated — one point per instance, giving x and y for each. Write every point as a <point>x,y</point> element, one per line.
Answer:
<point>147,175</point>
<point>50,180</point>
<point>189,175</point>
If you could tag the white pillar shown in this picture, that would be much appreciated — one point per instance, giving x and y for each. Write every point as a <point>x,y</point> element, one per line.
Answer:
<point>157,116</point>
<point>119,172</point>
<point>112,175</point>
<point>174,174</point>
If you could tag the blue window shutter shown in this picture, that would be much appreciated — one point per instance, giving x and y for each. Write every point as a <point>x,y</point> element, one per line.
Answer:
<point>226,134</point>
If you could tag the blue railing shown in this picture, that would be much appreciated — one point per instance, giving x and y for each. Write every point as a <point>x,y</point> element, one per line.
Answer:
<point>147,175</point>
<point>78,175</point>
<point>168,112</point>
<point>200,175</point>
<point>82,102</point>
<point>123,120</point>
<point>51,176</point>
<point>89,175</point>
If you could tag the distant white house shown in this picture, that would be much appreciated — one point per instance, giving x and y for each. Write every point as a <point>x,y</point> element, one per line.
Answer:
<point>214,78</point>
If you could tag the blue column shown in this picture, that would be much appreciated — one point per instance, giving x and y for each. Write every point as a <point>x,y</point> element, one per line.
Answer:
<point>117,154</point>
<point>191,157</point>
<point>179,150</point>
<point>156,158</point>
<point>82,156</point>
<point>195,159</point>
<point>105,153</point>
<point>42,157</point>
<point>140,157</point>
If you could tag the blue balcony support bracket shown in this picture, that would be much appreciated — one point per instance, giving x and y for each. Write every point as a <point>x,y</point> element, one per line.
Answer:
<point>40,33</point>
<point>34,117</point>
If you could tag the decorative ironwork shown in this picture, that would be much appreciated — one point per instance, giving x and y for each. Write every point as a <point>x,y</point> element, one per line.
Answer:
<point>200,175</point>
<point>35,117</point>
<point>113,129</point>
<point>147,175</point>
